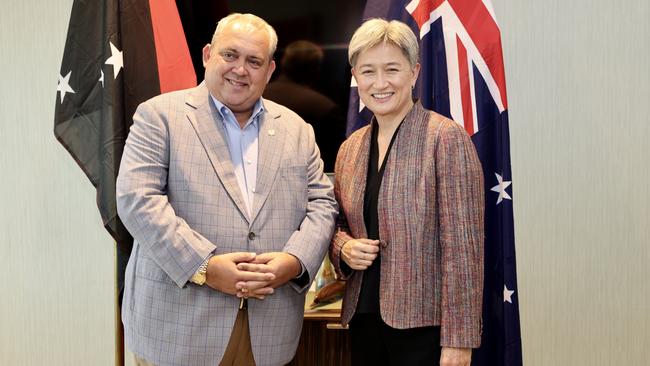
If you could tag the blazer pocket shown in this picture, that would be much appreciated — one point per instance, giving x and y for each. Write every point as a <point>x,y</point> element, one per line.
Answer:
<point>291,190</point>
<point>293,178</point>
<point>147,268</point>
<point>294,171</point>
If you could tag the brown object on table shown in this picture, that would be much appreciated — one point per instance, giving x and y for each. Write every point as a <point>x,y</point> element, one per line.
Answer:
<point>330,292</point>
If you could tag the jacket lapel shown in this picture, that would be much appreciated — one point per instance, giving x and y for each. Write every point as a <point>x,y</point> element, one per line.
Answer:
<point>270,150</point>
<point>357,183</point>
<point>209,128</point>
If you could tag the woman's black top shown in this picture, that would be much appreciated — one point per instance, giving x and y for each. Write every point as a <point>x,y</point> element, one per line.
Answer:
<point>369,295</point>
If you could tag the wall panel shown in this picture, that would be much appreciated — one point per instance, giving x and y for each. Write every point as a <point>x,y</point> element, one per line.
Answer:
<point>579,87</point>
<point>56,262</point>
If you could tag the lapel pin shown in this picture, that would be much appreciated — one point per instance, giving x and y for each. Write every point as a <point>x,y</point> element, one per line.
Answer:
<point>271,132</point>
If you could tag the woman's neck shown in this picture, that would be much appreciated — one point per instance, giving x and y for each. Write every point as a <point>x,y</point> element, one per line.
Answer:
<point>388,124</point>
<point>387,127</point>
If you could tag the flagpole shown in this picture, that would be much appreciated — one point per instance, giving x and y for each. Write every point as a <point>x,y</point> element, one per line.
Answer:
<point>119,330</point>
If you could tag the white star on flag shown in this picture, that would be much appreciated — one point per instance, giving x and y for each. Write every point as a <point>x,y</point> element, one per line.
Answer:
<point>101,77</point>
<point>501,189</point>
<point>115,60</point>
<point>507,294</point>
<point>64,85</point>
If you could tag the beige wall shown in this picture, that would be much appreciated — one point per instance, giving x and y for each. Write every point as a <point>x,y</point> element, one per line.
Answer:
<point>579,97</point>
<point>56,261</point>
<point>578,86</point>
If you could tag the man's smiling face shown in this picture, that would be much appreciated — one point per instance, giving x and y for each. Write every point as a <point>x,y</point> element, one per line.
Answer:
<point>238,66</point>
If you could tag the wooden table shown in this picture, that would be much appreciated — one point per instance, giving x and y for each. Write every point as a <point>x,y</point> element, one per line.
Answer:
<point>323,342</point>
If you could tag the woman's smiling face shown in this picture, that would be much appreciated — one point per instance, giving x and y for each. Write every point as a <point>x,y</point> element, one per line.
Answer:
<point>385,80</point>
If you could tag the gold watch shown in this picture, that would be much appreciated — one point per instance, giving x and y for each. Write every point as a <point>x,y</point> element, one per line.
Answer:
<point>199,276</point>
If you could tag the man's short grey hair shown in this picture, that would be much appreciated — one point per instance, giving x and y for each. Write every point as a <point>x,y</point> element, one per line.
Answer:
<point>250,23</point>
<point>376,31</point>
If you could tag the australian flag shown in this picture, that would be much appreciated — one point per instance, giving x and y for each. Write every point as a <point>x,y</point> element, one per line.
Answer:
<point>462,77</point>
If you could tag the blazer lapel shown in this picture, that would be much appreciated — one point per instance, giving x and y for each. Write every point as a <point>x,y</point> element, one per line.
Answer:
<point>209,128</point>
<point>270,150</point>
<point>357,183</point>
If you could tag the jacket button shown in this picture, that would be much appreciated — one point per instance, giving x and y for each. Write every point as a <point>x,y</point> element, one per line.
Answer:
<point>251,236</point>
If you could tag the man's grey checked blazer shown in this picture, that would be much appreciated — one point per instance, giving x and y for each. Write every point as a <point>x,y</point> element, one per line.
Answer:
<point>178,196</point>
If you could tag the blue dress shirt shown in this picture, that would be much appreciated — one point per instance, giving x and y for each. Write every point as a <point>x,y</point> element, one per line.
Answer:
<point>243,146</point>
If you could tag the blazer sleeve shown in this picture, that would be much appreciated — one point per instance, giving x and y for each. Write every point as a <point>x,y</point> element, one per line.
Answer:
<point>309,242</point>
<point>460,204</point>
<point>342,230</point>
<point>142,202</point>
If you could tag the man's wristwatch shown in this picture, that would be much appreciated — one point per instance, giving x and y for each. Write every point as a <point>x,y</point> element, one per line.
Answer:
<point>199,276</point>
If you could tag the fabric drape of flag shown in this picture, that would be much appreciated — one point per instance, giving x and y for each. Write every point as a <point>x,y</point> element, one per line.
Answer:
<point>462,77</point>
<point>118,53</point>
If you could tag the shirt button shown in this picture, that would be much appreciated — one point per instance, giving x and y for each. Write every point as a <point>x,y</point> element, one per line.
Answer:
<point>251,236</point>
<point>249,161</point>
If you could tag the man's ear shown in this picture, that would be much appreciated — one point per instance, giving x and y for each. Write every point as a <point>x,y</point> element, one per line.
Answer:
<point>206,54</point>
<point>271,69</point>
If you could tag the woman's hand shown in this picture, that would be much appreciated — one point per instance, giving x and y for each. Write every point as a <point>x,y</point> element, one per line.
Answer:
<point>450,356</point>
<point>359,253</point>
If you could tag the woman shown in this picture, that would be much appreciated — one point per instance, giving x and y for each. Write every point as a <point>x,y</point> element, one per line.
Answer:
<point>409,237</point>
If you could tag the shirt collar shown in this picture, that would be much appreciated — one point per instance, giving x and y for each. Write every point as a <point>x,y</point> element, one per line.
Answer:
<point>226,114</point>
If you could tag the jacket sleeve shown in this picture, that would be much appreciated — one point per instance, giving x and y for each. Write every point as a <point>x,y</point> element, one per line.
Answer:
<point>460,204</point>
<point>309,242</point>
<point>143,204</point>
<point>342,231</point>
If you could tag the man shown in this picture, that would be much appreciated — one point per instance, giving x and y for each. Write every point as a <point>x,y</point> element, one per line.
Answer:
<point>294,88</point>
<point>225,195</point>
